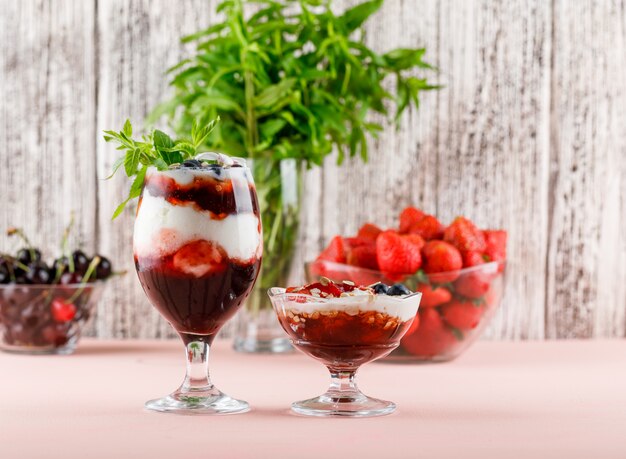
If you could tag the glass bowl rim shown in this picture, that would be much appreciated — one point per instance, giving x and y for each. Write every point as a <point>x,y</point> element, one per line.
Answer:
<point>280,292</point>
<point>97,283</point>
<point>490,265</point>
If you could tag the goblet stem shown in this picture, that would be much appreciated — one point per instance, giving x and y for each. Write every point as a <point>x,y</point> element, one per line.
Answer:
<point>197,378</point>
<point>197,394</point>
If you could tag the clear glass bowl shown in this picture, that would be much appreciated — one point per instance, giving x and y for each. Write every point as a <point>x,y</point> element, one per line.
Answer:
<point>456,306</point>
<point>45,319</point>
<point>343,334</point>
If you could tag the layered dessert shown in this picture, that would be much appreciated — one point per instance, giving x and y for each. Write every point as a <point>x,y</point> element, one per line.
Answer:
<point>198,243</point>
<point>344,325</point>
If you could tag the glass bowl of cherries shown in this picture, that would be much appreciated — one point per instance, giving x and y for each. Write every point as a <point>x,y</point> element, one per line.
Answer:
<point>44,307</point>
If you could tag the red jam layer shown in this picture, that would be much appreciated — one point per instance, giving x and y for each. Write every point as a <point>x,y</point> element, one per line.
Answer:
<point>206,193</point>
<point>341,340</point>
<point>196,294</point>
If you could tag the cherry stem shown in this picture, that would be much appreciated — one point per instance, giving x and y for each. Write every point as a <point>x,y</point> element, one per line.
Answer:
<point>20,233</point>
<point>92,266</point>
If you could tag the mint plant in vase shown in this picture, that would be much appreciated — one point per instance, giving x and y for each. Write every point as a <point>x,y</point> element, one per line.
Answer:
<point>292,81</point>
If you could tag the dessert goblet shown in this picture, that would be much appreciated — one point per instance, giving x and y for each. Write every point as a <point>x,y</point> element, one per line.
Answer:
<point>198,247</point>
<point>344,326</point>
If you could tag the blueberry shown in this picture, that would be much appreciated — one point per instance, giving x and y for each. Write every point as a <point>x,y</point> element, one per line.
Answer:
<point>192,163</point>
<point>81,262</point>
<point>26,256</point>
<point>380,288</point>
<point>216,169</point>
<point>103,270</point>
<point>398,289</point>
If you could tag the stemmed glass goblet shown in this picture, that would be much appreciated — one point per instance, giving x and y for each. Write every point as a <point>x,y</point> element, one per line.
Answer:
<point>344,327</point>
<point>198,245</point>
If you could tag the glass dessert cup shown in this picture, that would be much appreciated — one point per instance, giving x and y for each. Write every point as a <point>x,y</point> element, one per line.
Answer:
<point>198,245</point>
<point>343,334</point>
<point>455,310</point>
<point>45,319</point>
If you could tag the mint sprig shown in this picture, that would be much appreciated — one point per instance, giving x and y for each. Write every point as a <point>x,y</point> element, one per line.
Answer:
<point>155,149</point>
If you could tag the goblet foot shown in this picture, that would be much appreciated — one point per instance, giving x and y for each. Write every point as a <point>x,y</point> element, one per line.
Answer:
<point>344,405</point>
<point>201,402</point>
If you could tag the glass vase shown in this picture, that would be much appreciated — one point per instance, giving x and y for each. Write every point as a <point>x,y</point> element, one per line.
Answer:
<point>279,189</point>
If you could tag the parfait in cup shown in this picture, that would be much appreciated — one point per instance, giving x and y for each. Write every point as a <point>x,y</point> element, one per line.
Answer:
<point>197,247</point>
<point>344,326</point>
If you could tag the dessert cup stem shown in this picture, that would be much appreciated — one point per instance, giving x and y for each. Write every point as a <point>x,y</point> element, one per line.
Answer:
<point>343,398</point>
<point>342,382</point>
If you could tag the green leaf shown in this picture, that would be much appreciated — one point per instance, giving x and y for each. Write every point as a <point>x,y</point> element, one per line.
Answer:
<point>271,127</point>
<point>137,185</point>
<point>405,58</point>
<point>273,94</point>
<point>354,17</point>
<point>116,165</point>
<point>128,129</point>
<point>161,140</point>
<point>119,209</point>
<point>131,161</point>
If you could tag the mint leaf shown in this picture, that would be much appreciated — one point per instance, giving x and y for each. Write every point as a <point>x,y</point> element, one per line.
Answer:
<point>156,149</point>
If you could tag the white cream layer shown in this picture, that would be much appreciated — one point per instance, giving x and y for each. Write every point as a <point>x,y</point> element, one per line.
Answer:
<point>404,309</point>
<point>162,228</point>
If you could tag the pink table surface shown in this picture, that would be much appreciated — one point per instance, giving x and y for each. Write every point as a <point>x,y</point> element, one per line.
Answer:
<point>501,400</point>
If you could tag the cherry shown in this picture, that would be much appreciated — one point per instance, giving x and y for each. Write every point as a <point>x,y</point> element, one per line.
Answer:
<point>38,273</point>
<point>69,278</point>
<point>60,264</point>
<point>104,269</point>
<point>81,262</point>
<point>4,275</point>
<point>62,311</point>
<point>27,256</point>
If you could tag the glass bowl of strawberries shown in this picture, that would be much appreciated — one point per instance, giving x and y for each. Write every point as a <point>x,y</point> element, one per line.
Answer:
<point>459,269</point>
<point>45,307</point>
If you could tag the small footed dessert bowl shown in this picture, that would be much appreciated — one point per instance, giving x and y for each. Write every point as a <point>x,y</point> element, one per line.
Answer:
<point>344,326</point>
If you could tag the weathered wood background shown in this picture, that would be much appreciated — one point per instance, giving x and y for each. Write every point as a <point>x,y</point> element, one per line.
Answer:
<point>529,134</point>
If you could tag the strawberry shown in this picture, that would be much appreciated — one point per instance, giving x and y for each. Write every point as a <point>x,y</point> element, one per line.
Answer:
<point>464,315</point>
<point>415,239</point>
<point>396,255</point>
<point>335,251</point>
<point>432,338</point>
<point>200,258</point>
<point>495,244</point>
<point>414,325</point>
<point>428,227</point>
<point>432,297</point>
<point>352,242</point>
<point>363,256</point>
<point>369,232</point>
<point>465,236</point>
<point>472,258</point>
<point>322,289</point>
<point>62,311</point>
<point>441,257</point>
<point>473,284</point>
<point>408,217</point>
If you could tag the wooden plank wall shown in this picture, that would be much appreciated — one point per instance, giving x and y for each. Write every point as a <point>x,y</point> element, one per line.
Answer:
<point>529,134</point>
